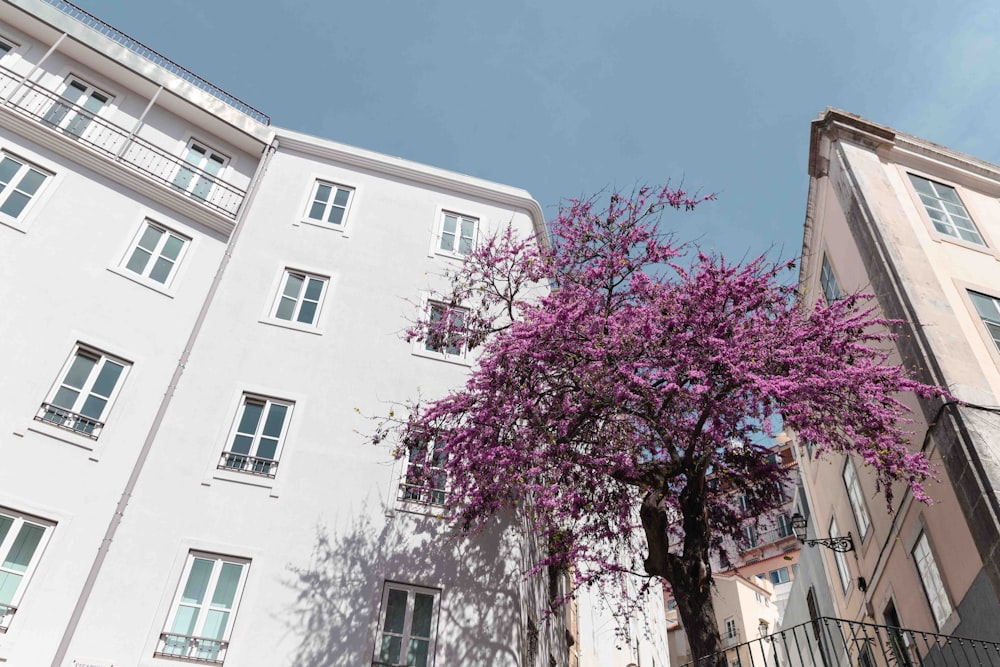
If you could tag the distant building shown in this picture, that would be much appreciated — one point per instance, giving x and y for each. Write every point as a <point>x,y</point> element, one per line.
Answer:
<point>199,310</point>
<point>918,226</point>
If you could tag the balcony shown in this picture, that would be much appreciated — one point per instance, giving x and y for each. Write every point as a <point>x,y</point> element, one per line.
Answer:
<point>118,145</point>
<point>192,649</point>
<point>835,642</point>
<point>254,465</point>
<point>71,421</point>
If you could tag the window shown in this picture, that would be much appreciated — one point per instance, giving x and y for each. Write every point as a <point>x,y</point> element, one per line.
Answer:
<point>19,182</point>
<point>857,499</point>
<point>156,253</point>
<point>81,399</point>
<point>202,613</point>
<point>457,235</point>
<point>258,434</point>
<point>930,577</point>
<point>447,326</point>
<point>989,311</point>
<point>300,298</point>
<point>945,209</point>
<point>841,560</point>
<point>82,104</point>
<point>732,632</point>
<point>785,526</point>
<point>828,281</point>
<point>329,203</point>
<point>426,478</point>
<point>779,576</point>
<point>407,627</point>
<point>206,165</point>
<point>671,604</point>
<point>750,536</point>
<point>22,539</point>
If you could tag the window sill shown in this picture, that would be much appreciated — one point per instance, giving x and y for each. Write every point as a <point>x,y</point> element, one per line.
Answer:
<point>457,359</point>
<point>286,324</point>
<point>244,478</point>
<point>330,227</point>
<point>939,237</point>
<point>65,436</point>
<point>13,224</point>
<point>449,255</point>
<point>145,282</point>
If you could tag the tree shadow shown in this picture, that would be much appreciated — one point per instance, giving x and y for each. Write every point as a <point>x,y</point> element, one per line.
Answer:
<point>335,615</point>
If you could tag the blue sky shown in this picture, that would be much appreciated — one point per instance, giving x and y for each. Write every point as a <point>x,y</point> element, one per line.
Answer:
<point>569,98</point>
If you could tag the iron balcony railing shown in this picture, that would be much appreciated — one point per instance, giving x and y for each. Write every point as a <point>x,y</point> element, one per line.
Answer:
<point>118,144</point>
<point>193,649</point>
<point>834,642</point>
<point>255,465</point>
<point>7,612</point>
<point>69,420</point>
<point>157,58</point>
<point>423,494</point>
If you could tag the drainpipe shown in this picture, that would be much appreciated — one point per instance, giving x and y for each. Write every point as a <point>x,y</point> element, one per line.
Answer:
<point>154,428</point>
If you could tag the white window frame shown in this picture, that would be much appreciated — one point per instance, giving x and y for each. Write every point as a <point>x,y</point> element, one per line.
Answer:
<point>155,255</point>
<point>323,221</point>
<point>279,294</point>
<point>19,520</point>
<point>411,592</point>
<point>841,560</point>
<point>195,178</point>
<point>946,229</point>
<point>990,320</point>
<point>828,281</point>
<point>414,490</point>
<point>72,418</point>
<point>454,248</point>
<point>71,115</point>
<point>776,574</point>
<point>215,649</point>
<point>931,580</point>
<point>250,463</point>
<point>857,499</point>
<point>730,629</point>
<point>423,349</point>
<point>12,187</point>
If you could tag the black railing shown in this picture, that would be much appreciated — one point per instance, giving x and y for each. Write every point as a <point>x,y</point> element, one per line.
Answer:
<point>193,649</point>
<point>255,465</point>
<point>834,642</point>
<point>118,144</point>
<point>6,612</point>
<point>69,420</point>
<point>149,54</point>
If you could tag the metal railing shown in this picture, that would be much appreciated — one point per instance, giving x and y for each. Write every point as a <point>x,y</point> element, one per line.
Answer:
<point>834,642</point>
<point>6,612</point>
<point>194,649</point>
<point>158,58</point>
<point>255,465</point>
<point>69,420</point>
<point>118,144</point>
<point>423,494</point>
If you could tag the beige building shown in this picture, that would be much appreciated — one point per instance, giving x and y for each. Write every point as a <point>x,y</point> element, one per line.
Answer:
<point>918,226</point>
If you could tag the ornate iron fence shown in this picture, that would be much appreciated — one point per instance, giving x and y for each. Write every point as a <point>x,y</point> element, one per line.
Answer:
<point>835,642</point>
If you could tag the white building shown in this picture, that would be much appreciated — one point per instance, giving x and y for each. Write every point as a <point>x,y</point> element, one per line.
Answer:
<point>200,311</point>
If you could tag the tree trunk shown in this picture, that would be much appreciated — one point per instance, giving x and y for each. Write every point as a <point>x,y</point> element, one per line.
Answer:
<point>689,575</point>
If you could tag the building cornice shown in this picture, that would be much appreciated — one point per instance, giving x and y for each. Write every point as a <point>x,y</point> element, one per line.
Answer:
<point>466,186</point>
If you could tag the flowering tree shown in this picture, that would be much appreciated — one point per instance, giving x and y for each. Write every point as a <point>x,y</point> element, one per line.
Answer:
<point>607,404</point>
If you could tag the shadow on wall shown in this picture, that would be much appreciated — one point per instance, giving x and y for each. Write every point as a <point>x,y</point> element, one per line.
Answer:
<point>339,593</point>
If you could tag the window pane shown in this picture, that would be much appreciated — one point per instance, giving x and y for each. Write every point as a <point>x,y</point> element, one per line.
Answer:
<point>293,285</point>
<point>316,211</point>
<point>417,655</point>
<point>323,193</point>
<point>242,445</point>
<point>215,625</point>
<point>184,620</point>
<point>314,289</point>
<point>137,262</point>
<point>161,270</point>
<point>395,611</point>
<point>423,612</point>
<point>267,448</point>
<point>341,198</point>
<point>336,216</point>
<point>31,181</point>
<point>251,417</point>
<point>65,398</point>
<point>172,248</point>
<point>8,168</point>
<point>194,590</point>
<point>5,523</point>
<point>79,371</point>
<point>108,378</point>
<point>15,204</point>
<point>24,547</point>
<point>225,589</point>
<point>286,307</point>
<point>8,586</point>
<point>275,420</point>
<point>307,313</point>
<point>389,652</point>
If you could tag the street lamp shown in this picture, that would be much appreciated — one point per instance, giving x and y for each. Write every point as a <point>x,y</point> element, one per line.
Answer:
<point>841,544</point>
